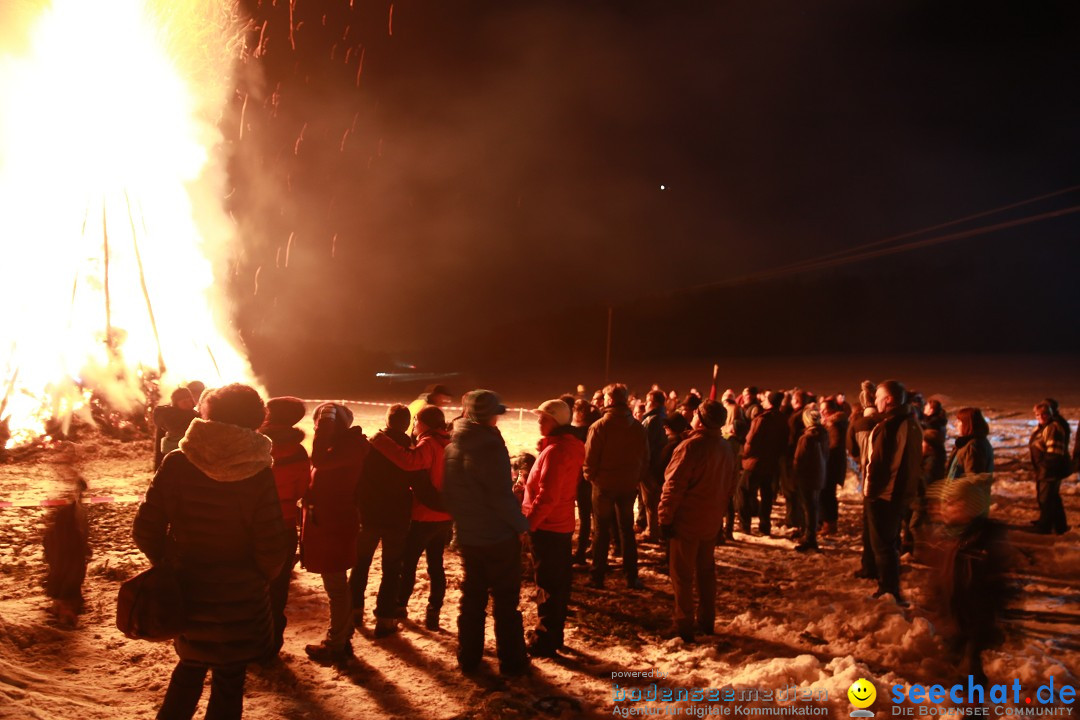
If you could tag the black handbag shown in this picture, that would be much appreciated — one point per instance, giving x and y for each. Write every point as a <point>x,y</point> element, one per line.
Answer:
<point>150,606</point>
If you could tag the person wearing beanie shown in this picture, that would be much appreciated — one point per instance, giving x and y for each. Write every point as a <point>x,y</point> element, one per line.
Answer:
<point>808,467</point>
<point>550,493</point>
<point>436,395</point>
<point>616,459</point>
<point>478,491</point>
<point>429,530</point>
<point>384,496</point>
<point>698,485</point>
<point>292,473</point>
<point>331,520</point>
<point>212,513</point>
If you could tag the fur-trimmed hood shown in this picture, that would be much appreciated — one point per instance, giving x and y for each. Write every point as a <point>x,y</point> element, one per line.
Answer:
<point>226,453</point>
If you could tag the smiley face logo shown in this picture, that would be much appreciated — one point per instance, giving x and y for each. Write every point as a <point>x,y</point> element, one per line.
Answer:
<point>862,693</point>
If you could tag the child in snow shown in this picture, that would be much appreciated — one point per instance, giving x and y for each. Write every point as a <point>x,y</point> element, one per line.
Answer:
<point>67,551</point>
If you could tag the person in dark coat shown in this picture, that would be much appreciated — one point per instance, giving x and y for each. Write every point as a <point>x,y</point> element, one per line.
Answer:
<point>972,452</point>
<point>892,482</point>
<point>655,413</point>
<point>550,492</point>
<point>970,582</point>
<point>477,489</point>
<point>292,473</point>
<point>172,422</point>
<point>809,469</point>
<point>429,531</point>
<point>331,521</point>
<point>384,496</point>
<point>766,443</point>
<point>698,485</point>
<point>1049,457</point>
<point>212,511</point>
<point>793,514</point>
<point>616,459</point>
<point>66,545</point>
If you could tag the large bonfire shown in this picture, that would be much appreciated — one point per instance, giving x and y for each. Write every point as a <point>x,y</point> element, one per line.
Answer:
<point>111,204</point>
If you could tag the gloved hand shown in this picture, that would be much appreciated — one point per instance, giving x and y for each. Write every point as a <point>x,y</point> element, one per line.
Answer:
<point>667,532</point>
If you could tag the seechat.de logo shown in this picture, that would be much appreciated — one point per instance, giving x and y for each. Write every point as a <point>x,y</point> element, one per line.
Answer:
<point>862,694</point>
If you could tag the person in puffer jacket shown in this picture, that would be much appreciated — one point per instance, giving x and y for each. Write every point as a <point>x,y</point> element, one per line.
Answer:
<point>292,473</point>
<point>478,491</point>
<point>1049,457</point>
<point>430,528</point>
<point>331,520</point>
<point>212,512</point>
<point>550,493</point>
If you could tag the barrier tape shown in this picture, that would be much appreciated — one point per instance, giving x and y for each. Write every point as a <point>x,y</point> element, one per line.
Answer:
<point>103,499</point>
<point>456,408</point>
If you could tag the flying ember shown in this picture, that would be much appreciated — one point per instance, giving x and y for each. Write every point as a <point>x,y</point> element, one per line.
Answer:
<point>111,210</point>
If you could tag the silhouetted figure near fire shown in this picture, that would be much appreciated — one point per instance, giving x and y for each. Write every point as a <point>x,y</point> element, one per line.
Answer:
<point>172,422</point>
<point>67,550</point>
<point>809,469</point>
<point>766,443</point>
<point>212,511</point>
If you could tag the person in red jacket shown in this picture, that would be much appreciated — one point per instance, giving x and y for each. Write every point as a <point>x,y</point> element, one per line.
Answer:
<point>430,528</point>
<point>331,520</point>
<point>292,473</point>
<point>550,494</point>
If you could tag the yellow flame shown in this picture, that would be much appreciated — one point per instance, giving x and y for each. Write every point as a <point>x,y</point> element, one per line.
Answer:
<point>111,204</point>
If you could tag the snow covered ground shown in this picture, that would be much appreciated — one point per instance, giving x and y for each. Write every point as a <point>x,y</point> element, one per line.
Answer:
<point>784,620</point>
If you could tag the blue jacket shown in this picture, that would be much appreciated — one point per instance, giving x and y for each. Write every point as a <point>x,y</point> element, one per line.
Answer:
<point>478,488</point>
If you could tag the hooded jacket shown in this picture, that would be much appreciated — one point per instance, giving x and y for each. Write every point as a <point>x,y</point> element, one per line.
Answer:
<point>551,489</point>
<point>698,484</point>
<point>428,455</point>
<point>617,451</point>
<point>766,442</point>
<point>212,511</point>
<point>894,468</point>
<point>478,487</point>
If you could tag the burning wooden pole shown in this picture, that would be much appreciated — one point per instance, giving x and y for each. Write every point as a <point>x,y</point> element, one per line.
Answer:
<point>142,284</point>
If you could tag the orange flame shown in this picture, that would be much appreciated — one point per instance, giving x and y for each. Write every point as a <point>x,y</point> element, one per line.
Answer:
<point>111,210</point>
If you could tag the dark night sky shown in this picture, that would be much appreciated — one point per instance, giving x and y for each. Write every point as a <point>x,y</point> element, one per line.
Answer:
<point>504,158</point>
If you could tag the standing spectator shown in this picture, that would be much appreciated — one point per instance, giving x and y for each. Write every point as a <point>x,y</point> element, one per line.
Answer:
<point>172,422</point>
<point>331,520</point>
<point>66,545</point>
<point>584,416</point>
<point>292,473</point>
<point>655,414</point>
<point>1049,456</point>
<point>698,485</point>
<point>892,480</point>
<point>750,404</point>
<point>437,395</point>
<point>550,492</point>
<point>766,443</point>
<point>616,459</point>
<point>430,528</point>
<point>835,419</point>
<point>212,512</point>
<point>972,454</point>
<point>793,514</point>
<point>490,526</point>
<point>809,468</point>
<point>735,429</point>
<point>385,499</point>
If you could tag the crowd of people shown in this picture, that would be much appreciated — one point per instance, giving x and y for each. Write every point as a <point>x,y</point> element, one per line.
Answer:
<point>237,501</point>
